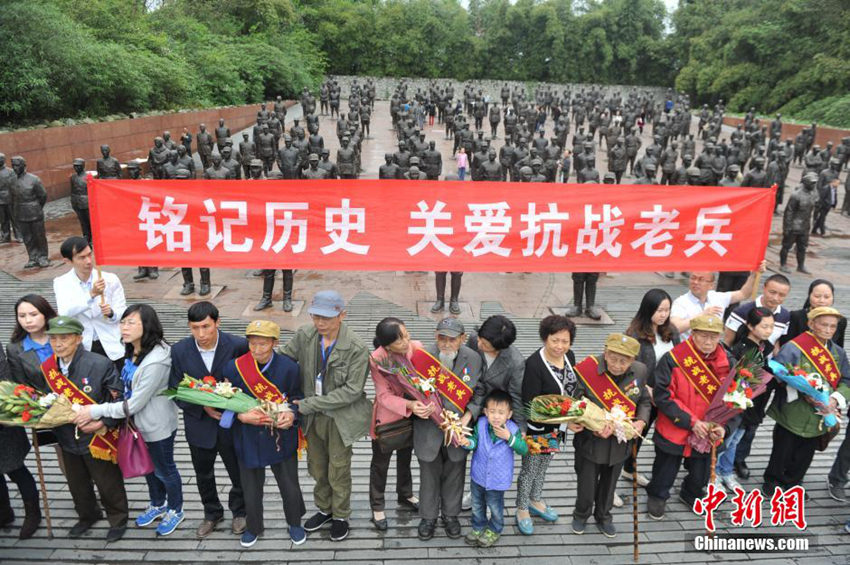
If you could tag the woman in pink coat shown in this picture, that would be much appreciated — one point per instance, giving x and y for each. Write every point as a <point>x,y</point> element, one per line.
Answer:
<point>391,405</point>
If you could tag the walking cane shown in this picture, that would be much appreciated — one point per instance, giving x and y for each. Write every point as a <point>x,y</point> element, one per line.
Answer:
<point>635,499</point>
<point>713,471</point>
<point>43,486</point>
<point>102,295</point>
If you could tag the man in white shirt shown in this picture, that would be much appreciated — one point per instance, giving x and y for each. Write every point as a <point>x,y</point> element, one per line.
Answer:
<point>96,302</point>
<point>701,298</point>
<point>776,289</point>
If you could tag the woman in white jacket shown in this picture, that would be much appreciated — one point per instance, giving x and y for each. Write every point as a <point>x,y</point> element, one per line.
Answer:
<point>147,364</point>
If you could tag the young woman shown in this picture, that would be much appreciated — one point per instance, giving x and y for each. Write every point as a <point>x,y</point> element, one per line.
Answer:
<point>657,335</point>
<point>549,370</point>
<point>821,293</point>
<point>28,349</point>
<point>391,338</point>
<point>750,336</point>
<point>147,364</point>
<point>462,164</point>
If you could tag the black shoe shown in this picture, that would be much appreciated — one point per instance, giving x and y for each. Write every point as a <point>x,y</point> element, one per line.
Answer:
<point>153,274</point>
<point>413,506</point>
<point>188,289</point>
<point>142,274</point>
<point>452,527</point>
<point>115,533</point>
<point>742,470</point>
<point>339,530</point>
<point>265,302</point>
<point>380,525</point>
<point>32,520</point>
<point>31,264</point>
<point>7,516</point>
<point>579,525</point>
<point>78,529</point>
<point>438,306</point>
<point>454,307</point>
<point>45,262</point>
<point>287,304</point>
<point>318,520</point>
<point>205,290</point>
<point>426,529</point>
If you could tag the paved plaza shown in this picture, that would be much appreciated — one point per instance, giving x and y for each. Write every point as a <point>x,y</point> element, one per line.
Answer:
<point>525,298</point>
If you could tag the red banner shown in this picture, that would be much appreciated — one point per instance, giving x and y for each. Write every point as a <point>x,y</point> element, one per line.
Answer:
<point>381,225</point>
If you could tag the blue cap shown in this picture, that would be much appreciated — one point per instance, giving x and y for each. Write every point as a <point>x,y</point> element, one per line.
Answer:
<point>327,303</point>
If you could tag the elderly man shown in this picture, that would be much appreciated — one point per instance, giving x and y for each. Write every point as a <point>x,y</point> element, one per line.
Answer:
<point>267,376</point>
<point>798,430</point>
<point>615,379</point>
<point>701,299</point>
<point>334,364</point>
<point>686,379</point>
<point>442,469</point>
<point>86,378</point>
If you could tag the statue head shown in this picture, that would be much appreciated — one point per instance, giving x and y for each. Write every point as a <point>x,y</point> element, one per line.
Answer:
<point>414,161</point>
<point>265,128</point>
<point>345,141</point>
<point>172,156</point>
<point>133,169</point>
<point>413,171</point>
<point>609,178</point>
<point>295,123</point>
<point>810,179</point>
<point>314,161</point>
<point>431,144</point>
<point>492,154</point>
<point>402,146</point>
<point>216,160</point>
<point>2,160</point>
<point>262,106</point>
<point>525,174</point>
<point>649,170</point>
<point>732,171</point>
<point>166,135</point>
<point>588,147</point>
<point>203,128</point>
<point>79,165</point>
<point>221,122</point>
<point>687,160</point>
<point>245,135</point>
<point>226,152</point>
<point>535,165</point>
<point>104,150</point>
<point>157,142</point>
<point>181,150</point>
<point>620,141</point>
<point>287,140</point>
<point>388,158</point>
<point>256,168</point>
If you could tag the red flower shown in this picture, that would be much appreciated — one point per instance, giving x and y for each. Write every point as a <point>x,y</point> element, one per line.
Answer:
<point>191,385</point>
<point>813,382</point>
<point>799,373</point>
<point>582,405</point>
<point>746,373</point>
<point>730,405</point>
<point>732,387</point>
<point>209,380</point>
<point>26,416</point>
<point>748,392</point>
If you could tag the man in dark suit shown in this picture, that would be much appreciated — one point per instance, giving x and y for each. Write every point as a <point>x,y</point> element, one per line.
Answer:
<point>442,470</point>
<point>206,352</point>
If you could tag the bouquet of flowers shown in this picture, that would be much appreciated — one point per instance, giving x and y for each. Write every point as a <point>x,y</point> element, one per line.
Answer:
<point>547,443</point>
<point>807,380</point>
<point>745,381</point>
<point>559,409</point>
<point>22,405</point>
<point>221,396</point>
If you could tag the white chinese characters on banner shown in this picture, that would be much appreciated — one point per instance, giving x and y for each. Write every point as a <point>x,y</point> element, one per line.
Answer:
<point>657,231</point>
<point>164,223</point>
<point>708,229</point>
<point>490,224</point>
<point>548,224</point>
<point>225,236</point>
<point>288,223</point>
<point>589,237</point>
<point>430,232</point>
<point>339,223</point>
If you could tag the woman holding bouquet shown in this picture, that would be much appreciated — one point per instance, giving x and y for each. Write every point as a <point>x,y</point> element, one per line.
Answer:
<point>799,430</point>
<point>549,370</point>
<point>147,365</point>
<point>391,412</point>
<point>28,349</point>
<point>751,339</point>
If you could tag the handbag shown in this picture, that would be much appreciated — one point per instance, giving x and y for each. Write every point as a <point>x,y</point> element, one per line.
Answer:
<point>395,435</point>
<point>823,440</point>
<point>133,457</point>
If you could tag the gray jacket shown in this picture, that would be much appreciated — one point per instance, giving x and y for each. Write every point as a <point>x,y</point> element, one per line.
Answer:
<point>427,437</point>
<point>155,416</point>
<point>505,374</point>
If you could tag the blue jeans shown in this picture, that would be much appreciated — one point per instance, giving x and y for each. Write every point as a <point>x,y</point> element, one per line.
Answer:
<point>164,483</point>
<point>482,499</point>
<point>461,173</point>
<point>726,460</point>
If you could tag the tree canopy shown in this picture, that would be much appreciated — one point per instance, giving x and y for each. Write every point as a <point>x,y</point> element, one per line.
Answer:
<point>67,58</point>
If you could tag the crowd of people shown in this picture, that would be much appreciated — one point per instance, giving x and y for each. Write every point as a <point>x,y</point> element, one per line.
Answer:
<point>112,359</point>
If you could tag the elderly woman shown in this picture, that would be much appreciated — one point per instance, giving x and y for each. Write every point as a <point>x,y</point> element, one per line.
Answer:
<point>549,370</point>
<point>391,407</point>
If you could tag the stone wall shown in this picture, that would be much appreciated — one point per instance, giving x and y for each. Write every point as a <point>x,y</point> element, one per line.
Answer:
<point>50,151</point>
<point>822,137</point>
<point>385,86</point>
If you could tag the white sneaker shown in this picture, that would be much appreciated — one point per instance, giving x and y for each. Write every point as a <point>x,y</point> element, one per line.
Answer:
<point>641,479</point>
<point>730,482</point>
<point>466,502</point>
<point>618,502</point>
<point>718,485</point>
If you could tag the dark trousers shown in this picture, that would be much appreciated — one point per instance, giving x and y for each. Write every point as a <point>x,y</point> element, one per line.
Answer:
<point>482,500</point>
<point>666,467</point>
<point>821,210</point>
<point>25,482</point>
<point>7,221</point>
<point>746,443</point>
<point>85,222</point>
<point>789,460</point>
<point>595,486</point>
<point>83,472</point>
<point>164,483</point>
<point>378,470</point>
<point>789,240</point>
<point>203,462</point>
<point>35,239</point>
<point>286,475</point>
<point>441,486</point>
<point>838,472</point>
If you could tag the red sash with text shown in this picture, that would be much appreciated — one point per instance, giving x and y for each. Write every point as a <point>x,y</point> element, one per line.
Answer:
<point>603,387</point>
<point>819,356</point>
<point>103,446</point>
<point>704,379</point>
<point>260,386</point>
<point>450,386</point>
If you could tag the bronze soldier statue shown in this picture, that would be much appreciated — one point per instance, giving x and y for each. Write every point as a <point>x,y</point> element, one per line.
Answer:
<point>313,172</point>
<point>29,197</point>
<point>797,223</point>
<point>247,153</point>
<point>158,156</point>
<point>108,167</point>
<point>8,224</point>
<point>222,134</point>
<point>346,160</point>
<point>328,165</point>
<point>389,170</point>
<point>205,145</point>
<point>80,197</point>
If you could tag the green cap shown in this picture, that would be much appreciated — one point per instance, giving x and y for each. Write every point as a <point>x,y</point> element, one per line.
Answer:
<point>64,325</point>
